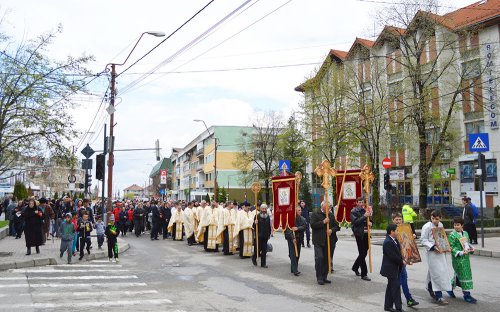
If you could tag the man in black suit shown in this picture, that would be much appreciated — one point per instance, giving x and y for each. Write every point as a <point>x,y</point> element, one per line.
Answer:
<point>392,263</point>
<point>264,222</point>
<point>319,221</point>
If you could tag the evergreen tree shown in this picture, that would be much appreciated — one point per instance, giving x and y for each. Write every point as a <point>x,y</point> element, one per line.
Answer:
<point>207,198</point>
<point>56,195</point>
<point>292,144</point>
<point>20,191</point>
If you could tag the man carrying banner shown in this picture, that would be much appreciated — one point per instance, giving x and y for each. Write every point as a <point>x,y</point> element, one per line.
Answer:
<point>244,230</point>
<point>295,239</point>
<point>319,221</point>
<point>360,231</point>
<point>263,221</point>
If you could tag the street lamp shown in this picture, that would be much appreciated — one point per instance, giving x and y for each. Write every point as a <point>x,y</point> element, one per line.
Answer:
<point>111,111</point>
<point>215,154</point>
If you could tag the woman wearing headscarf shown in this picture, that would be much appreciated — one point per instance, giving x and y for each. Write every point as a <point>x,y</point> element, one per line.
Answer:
<point>33,218</point>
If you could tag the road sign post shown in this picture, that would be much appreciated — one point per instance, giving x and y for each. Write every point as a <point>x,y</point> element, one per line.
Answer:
<point>479,142</point>
<point>284,166</point>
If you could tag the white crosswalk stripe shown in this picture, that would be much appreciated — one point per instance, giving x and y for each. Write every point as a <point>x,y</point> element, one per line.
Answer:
<point>65,287</point>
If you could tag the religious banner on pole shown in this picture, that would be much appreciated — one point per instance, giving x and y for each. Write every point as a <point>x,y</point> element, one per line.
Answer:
<point>348,189</point>
<point>284,201</point>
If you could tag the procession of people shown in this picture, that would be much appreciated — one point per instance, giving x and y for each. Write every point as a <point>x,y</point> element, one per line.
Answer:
<point>244,230</point>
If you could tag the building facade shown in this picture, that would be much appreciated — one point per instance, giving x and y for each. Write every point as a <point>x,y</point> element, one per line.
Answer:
<point>208,159</point>
<point>460,52</point>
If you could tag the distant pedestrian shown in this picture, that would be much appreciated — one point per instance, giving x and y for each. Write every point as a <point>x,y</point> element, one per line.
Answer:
<point>67,236</point>
<point>409,216</point>
<point>111,233</point>
<point>33,217</point>
<point>9,215</point>
<point>18,220</point>
<point>100,228</point>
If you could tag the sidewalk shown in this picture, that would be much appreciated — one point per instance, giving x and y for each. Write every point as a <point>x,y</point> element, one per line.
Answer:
<point>491,244</point>
<point>13,252</point>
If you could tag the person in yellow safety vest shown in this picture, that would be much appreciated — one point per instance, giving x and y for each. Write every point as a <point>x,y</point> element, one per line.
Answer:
<point>408,215</point>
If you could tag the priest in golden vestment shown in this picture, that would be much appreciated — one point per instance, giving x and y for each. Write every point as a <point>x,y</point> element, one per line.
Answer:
<point>188,221</point>
<point>175,224</point>
<point>244,230</point>
<point>226,228</point>
<point>198,212</point>
<point>209,220</point>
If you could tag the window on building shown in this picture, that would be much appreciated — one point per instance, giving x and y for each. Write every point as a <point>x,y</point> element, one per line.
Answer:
<point>474,127</point>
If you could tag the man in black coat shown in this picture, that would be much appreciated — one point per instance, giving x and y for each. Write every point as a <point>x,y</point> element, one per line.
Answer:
<point>319,221</point>
<point>392,263</point>
<point>360,231</point>
<point>295,237</point>
<point>306,215</point>
<point>138,219</point>
<point>264,223</point>
<point>155,220</point>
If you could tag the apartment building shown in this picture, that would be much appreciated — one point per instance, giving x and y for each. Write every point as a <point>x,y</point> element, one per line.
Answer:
<point>463,49</point>
<point>208,157</point>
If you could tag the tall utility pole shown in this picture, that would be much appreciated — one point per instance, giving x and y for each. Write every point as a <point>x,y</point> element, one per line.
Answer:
<point>111,111</point>
<point>111,158</point>
<point>103,210</point>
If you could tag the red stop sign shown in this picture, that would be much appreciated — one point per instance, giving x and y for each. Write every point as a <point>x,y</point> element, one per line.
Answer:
<point>387,163</point>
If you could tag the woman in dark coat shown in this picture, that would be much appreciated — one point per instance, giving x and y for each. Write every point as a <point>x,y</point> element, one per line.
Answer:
<point>33,218</point>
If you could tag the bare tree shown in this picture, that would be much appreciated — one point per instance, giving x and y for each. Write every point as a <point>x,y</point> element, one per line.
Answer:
<point>434,76</point>
<point>368,123</point>
<point>259,150</point>
<point>35,100</point>
<point>323,110</point>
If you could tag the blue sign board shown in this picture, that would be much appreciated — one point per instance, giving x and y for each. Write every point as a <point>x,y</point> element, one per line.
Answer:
<point>162,191</point>
<point>284,164</point>
<point>479,142</point>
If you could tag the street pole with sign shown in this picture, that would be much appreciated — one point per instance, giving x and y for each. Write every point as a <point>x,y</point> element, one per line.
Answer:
<point>479,142</point>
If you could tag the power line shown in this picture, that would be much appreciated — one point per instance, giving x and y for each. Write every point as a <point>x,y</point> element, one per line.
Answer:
<point>169,36</point>
<point>423,4</point>
<point>225,40</point>
<point>185,48</point>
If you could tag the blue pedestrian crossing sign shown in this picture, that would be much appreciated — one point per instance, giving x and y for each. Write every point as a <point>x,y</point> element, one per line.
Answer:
<point>479,142</point>
<point>284,165</point>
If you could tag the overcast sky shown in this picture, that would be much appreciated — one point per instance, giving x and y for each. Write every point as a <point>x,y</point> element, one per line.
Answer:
<point>225,92</point>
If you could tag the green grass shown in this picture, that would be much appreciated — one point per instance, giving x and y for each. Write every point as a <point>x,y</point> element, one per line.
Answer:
<point>3,223</point>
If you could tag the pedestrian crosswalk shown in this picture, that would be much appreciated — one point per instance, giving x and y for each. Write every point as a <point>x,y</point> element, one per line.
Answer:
<point>98,284</point>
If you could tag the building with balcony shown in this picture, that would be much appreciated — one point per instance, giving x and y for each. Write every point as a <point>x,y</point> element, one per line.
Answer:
<point>457,55</point>
<point>211,153</point>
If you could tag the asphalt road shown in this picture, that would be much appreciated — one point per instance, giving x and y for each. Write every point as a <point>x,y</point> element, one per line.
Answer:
<point>171,276</point>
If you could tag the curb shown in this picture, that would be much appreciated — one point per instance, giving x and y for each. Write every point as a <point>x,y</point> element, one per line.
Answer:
<point>124,246</point>
<point>4,232</point>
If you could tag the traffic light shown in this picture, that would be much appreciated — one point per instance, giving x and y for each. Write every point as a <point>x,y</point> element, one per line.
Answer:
<point>99,166</point>
<point>88,181</point>
<point>387,182</point>
<point>481,166</point>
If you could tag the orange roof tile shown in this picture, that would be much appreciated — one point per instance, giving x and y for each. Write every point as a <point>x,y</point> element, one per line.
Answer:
<point>339,54</point>
<point>475,13</point>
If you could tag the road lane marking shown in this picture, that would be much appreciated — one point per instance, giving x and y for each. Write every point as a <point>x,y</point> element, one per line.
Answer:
<point>76,277</point>
<point>64,271</point>
<point>83,285</point>
<point>87,293</point>
<point>124,303</point>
